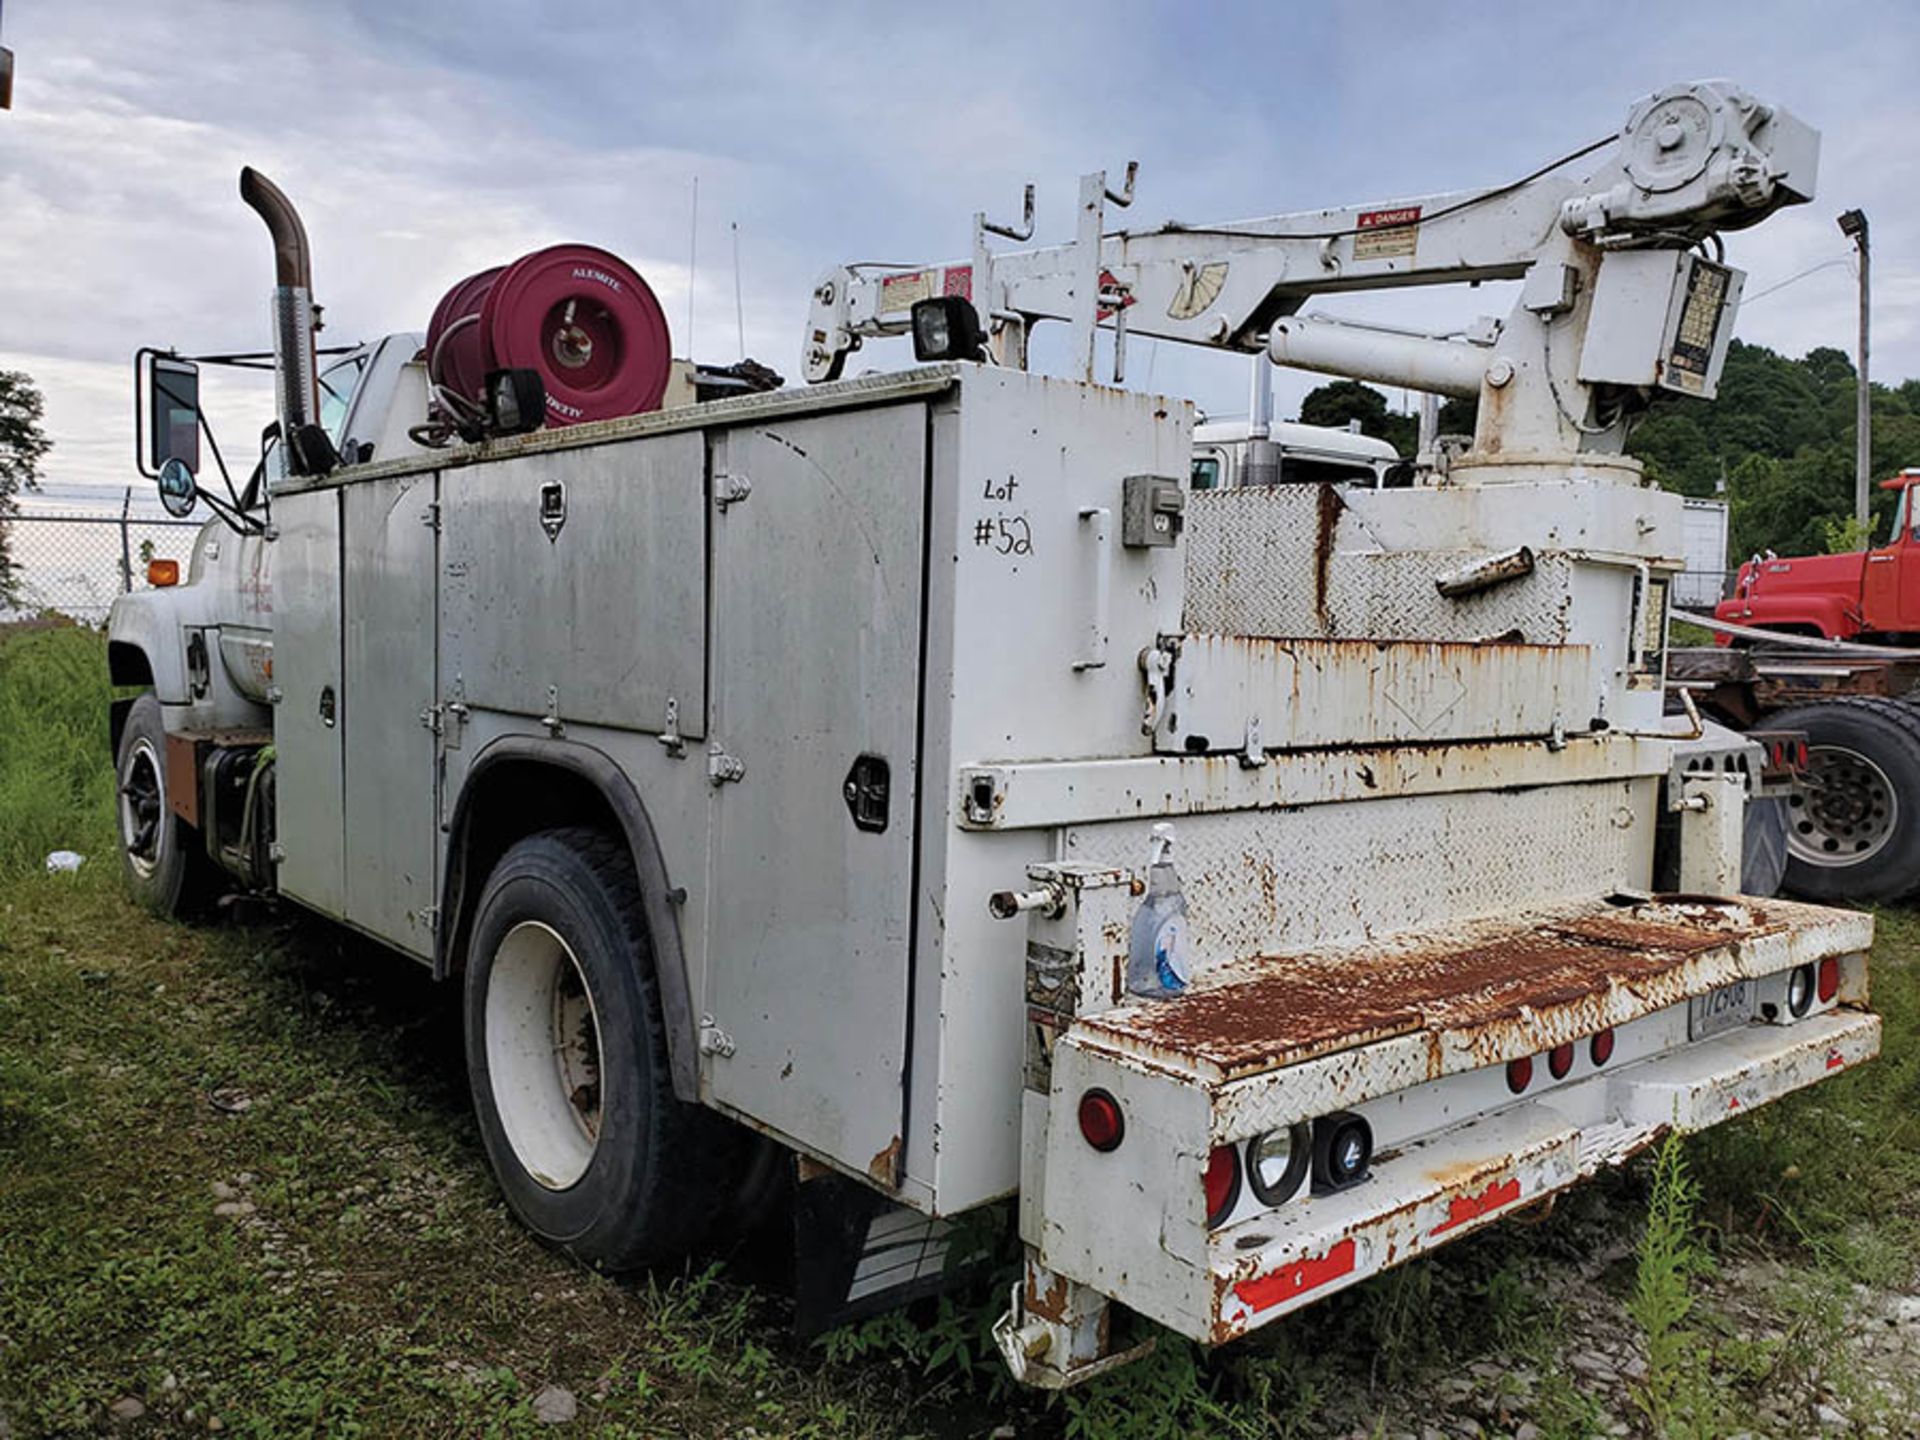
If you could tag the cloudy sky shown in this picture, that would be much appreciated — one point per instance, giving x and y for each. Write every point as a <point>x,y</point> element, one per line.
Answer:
<point>425,139</point>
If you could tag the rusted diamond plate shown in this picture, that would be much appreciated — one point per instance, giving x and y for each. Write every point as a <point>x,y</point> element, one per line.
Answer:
<point>1285,561</point>
<point>1297,881</point>
<point>1475,985</point>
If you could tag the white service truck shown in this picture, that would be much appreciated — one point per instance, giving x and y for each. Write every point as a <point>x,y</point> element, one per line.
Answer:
<point>1266,884</point>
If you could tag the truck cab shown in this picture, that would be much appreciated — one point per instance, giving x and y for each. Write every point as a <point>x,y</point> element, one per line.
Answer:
<point>1307,453</point>
<point>1874,592</point>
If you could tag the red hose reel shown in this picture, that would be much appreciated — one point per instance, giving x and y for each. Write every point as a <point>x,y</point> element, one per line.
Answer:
<point>582,318</point>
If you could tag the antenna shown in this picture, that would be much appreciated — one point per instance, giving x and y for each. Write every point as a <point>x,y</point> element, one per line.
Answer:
<point>739,310</point>
<point>693,254</point>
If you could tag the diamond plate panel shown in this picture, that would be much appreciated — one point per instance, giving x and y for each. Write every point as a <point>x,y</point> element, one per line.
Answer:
<point>1267,882</point>
<point>1254,567</point>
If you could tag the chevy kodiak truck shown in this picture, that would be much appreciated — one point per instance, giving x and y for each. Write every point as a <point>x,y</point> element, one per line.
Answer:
<point>909,784</point>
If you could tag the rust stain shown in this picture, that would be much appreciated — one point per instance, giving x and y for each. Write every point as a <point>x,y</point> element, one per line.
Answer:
<point>1331,505</point>
<point>884,1168</point>
<point>1281,1009</point>
<point>1048,1304</point>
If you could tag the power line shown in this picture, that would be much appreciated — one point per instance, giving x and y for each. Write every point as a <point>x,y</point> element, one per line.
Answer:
<point>1791,279</point>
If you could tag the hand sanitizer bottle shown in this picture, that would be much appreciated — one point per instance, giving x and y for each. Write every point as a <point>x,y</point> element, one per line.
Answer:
<point>1157,962</point>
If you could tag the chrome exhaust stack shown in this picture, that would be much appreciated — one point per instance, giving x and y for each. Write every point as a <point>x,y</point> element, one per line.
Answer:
<point>296,393</point>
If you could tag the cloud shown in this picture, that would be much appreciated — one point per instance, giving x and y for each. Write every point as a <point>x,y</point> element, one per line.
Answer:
<point>426,141</point>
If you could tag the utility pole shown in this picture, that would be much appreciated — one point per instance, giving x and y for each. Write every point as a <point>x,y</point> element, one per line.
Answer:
<point>1853,225</point>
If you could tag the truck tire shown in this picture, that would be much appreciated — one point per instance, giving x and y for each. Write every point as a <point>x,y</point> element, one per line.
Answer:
<point>1763,846</point>
<point>1854,828</point>
<point>160,854</point>
<point>567,1056</point>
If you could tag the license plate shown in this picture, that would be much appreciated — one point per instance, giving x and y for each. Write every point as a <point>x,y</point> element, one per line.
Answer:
<point>1727,1008</point>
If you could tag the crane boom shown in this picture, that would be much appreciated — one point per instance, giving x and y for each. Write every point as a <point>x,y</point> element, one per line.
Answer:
<point>1599,253</point>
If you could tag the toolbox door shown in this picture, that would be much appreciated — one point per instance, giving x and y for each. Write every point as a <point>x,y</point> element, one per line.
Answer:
<point>818,578</point>
<point>310,714</point>
<point>391,766</point>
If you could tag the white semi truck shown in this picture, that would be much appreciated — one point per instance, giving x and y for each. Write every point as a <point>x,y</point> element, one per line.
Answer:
<point>915,775</point>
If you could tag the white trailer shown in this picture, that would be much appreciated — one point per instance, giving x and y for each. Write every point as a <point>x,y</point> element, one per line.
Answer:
<point>1703,542</point>
<point>796,760</point>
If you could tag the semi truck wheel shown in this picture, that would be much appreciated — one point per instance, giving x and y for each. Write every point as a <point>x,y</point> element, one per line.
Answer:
<point>567,1055</point>
<point>160,854</point>
<point>1853,829</point>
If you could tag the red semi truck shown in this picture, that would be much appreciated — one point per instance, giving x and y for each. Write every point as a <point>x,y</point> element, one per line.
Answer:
<point>1866,594</point>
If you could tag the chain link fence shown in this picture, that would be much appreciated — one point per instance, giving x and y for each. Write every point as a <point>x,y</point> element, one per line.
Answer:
<point>74,561</point>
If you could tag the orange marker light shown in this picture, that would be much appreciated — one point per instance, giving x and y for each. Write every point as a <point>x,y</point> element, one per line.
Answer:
<point>162,573</point>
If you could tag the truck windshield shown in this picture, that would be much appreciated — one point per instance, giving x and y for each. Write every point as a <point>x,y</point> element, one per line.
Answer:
<point>337,384</point>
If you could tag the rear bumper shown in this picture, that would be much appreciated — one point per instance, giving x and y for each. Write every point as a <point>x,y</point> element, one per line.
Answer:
<point>1445,1186</point>
<point>1414,1035</point>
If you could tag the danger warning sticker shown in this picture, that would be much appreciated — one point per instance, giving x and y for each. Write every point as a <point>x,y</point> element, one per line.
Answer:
<point>1386,234</point>
<point>903,292</point>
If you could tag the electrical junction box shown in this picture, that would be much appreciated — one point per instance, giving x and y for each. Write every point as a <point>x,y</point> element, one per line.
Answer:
<point>1152,511</point>
<point>1662,319</point>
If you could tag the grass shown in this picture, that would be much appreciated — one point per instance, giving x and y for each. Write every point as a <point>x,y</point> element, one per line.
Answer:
<point>239,1183</point>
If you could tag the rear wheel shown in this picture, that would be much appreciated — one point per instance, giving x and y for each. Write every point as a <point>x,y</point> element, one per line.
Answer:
<point>1853,828</point>
<point>567,1056</point>
<point>160,854</point>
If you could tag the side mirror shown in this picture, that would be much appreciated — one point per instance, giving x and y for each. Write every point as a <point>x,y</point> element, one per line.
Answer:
<point>171,411</point>
<point>178,492</point>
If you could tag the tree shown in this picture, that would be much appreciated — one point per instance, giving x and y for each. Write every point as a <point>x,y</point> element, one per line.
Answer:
<point>22,446</point>
<point>1342,401</point>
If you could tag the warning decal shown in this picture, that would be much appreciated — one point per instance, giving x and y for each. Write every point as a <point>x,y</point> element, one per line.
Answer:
<point>1386,234</point>
<point>904,291</point>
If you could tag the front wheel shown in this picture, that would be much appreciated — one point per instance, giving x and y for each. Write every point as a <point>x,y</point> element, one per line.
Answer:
<point>567,1056</point>
<point>1853,828</point>
<point>160,854</point>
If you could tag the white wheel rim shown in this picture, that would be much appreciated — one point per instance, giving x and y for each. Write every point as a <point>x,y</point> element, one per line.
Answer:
<point>1846,812</point>
<point>543,1054</point>
<point>143,807</point>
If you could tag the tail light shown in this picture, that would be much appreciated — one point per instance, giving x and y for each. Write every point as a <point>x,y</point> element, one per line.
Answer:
<point>1342,1150</point>
<point>1800,991</point>
<point>1222,1183</point>
<point>1600,1048</point>
<point>1800,754</point>
<point>1519,1073</point>
<point>1560,1061</point>
<point>1829,979</point>
<point>1101,1123</point>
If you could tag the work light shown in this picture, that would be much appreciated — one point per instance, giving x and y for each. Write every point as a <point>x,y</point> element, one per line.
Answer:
<point>946,327</point>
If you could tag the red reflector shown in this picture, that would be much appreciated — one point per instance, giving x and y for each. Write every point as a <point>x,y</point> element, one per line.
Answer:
<point>1223,1182</point>
<point>1829,979</point>
<point>1100,1120</point>
<point>1464,1208</point>
<point>1560,1060</point>
<point>1519,1073</point>
<point>1601,1047</point>
<point>1269,1290</point>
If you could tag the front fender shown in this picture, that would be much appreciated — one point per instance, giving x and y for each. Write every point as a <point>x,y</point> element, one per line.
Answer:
<point>1834,616</point>
<point>151,623</point>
